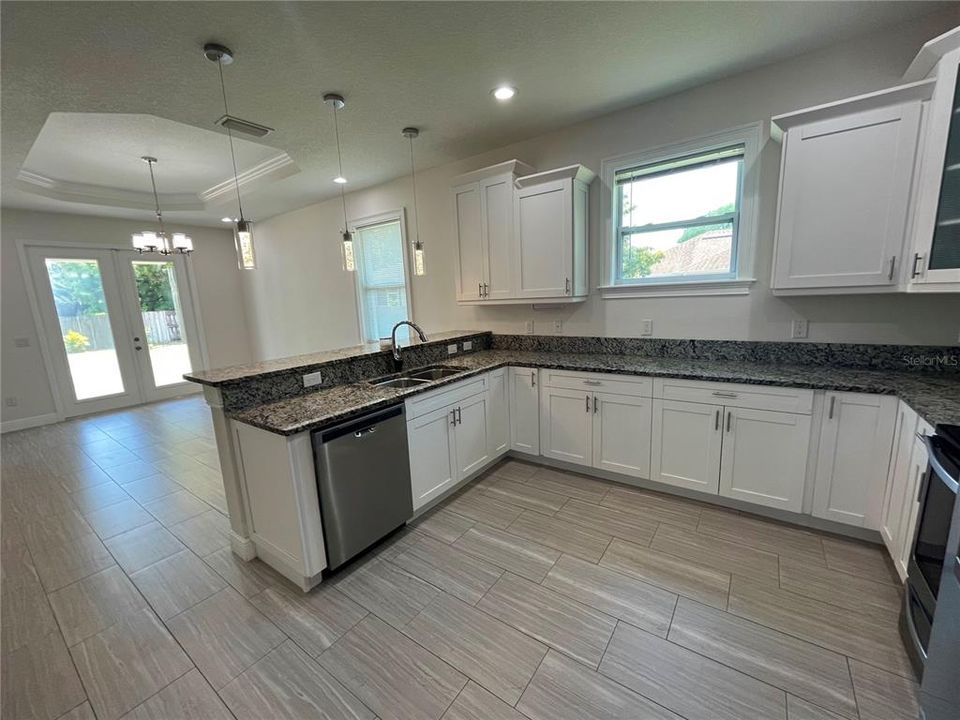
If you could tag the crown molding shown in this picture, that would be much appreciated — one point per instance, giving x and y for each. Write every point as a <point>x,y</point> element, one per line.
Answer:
<point>273,169</point>
<point>90,194</point>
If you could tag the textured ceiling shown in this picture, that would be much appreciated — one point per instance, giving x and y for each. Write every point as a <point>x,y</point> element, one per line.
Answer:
<point>426,64</point>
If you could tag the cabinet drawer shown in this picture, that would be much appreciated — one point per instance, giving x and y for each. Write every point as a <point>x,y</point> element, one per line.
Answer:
<point>757,397</point>
<point>446,395</point>
<point>598,382</point>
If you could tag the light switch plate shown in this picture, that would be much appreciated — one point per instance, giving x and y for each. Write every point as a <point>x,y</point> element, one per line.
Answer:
<point>467,345</point>
<point>312,379</point>
<point>646,327</point>
<point>11,402</point>
<point>799,329</point>
<point>452,349</point>
<point>21,342</point>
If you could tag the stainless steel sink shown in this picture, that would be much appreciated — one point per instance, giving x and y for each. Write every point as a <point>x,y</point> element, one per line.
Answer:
<point>399,382</point>
<point>435,372</point>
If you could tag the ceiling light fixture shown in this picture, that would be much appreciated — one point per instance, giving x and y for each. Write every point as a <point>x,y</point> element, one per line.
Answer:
<point>418,262</point>
<point>227,219</point>
<point>503,92</point>
<point>337,102</point>
<point>243,229</point>
<point>159,242</point>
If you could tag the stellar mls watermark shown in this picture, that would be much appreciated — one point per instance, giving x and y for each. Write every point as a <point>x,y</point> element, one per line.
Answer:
<point>945,360</point>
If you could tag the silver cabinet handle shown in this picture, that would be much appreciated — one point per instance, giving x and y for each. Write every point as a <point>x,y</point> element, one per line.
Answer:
<point>459,417</point>
<point>588,403</point>
<point>716,421</point>
<point>833,403</point>
<point>594,403</point>
<point>722,394</point>
<point>453,416</point>
<point>566,287</point>
<point>893,264</point>
<point>914,272</point>
<point>592,382</point>
<point>533,378</point>
<point>480,289</point>
<point>486,290</point>
<point>729,415</point>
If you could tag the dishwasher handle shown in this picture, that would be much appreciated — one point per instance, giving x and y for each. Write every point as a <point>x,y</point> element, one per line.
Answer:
<point>359,427</point>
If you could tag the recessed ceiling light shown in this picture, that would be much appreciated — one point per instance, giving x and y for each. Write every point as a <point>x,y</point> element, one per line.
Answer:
<point>340,180</point>
<point>504,92</point>
<point>226,219</point>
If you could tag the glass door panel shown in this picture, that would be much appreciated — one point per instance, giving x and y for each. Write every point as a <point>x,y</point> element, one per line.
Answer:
<point>85,329</point>
<point>165,340</point>
<point>945,252</point>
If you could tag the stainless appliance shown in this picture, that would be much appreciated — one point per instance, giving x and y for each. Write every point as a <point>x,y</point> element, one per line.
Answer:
<point>937,524</point>
<point>363,475</point>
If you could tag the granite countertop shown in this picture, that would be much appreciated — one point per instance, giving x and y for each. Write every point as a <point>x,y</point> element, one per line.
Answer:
<point>936,397</point>
<point>311,361</point>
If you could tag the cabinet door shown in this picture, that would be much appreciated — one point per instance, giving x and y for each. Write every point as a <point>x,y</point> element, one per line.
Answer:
<point>469,241</point>
<point>686,445</point>
<point>566,425</point>
<point>856,440</point>
<point>498,418</point>
<point>433,463</point>
<point>471,439</point>
<point>764,457</point>
<point>524,411</point>
<point>911,505</point>
<point>497,233</point>
<point>544,248</point>
<point>621,434</point>
<point>844,198</point>
<point>898,480</point>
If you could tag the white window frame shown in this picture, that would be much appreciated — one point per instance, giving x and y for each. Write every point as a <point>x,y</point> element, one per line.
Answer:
<point>752,138</point>
<point>355,226</point>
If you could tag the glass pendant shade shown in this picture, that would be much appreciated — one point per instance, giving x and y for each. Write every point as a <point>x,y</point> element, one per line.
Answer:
<point>243,236</point>
<point>181,243</point>
<point>349,261</point>
<point>418,261</point>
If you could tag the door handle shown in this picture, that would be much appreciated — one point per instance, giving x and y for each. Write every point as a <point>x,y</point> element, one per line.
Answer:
<point>833,403</point>
<point>480,289</point>
<point>716,421</point>
<point>914,272</point>
<point>592,382</point>
<point>893,264</point>
<point>533,378</point>
<point>587,398</point>
<point>486,290</point>
<point>729,415</point>
<point>453,416</point>
<point>566,287</point>
<point>920,482</point>
<point>459,417</point>
<point>719,393</point>
<point>594,403</point>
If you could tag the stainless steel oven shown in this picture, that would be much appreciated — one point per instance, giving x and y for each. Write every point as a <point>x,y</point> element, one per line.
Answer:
<point>935,520</point>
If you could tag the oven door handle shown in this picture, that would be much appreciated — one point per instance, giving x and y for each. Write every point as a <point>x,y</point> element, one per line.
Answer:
<point>956,568</point>
<point>935,464</point>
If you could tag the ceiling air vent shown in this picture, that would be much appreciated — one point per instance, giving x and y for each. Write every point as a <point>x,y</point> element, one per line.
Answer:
<point>243,126</point>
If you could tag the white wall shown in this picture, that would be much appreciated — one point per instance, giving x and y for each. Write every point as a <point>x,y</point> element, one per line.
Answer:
<point>22,371</point>
<point>301,300</point>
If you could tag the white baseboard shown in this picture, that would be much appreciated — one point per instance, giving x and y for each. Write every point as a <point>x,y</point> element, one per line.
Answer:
<point>30,422</point>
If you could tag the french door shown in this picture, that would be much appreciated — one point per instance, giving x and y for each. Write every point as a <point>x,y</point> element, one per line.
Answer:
<point>119,326</point>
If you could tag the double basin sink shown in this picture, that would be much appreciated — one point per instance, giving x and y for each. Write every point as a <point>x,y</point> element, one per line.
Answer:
<point>417,377</point>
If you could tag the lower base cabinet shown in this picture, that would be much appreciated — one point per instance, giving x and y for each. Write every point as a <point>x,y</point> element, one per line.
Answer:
<point>621,434</point>
<point>498,416</point>
<point>566,425</point>
<point>686,445</point>
<point>524,410</point>
<point>855,447</point>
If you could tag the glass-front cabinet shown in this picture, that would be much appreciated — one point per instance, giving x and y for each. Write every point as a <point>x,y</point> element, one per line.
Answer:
<point>936,259</point>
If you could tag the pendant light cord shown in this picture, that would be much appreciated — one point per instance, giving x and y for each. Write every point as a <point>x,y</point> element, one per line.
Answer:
<point>413,180</point>
<point>343,196</point>
<point>233,155</point>
<point>156,197</point>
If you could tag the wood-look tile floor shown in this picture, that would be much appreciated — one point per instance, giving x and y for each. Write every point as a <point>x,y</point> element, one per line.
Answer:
<point>533,594</point>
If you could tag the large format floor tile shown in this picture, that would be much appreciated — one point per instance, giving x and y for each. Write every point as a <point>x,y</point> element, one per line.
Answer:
<point>475,703</point>
<point>840,588</point>
<point>481,508</point>
<point>190,697</point>
<point>768,535</point>
<point>495,655</point>
<point>61,565</point>
<point>388,591</point>
<point>689,684</point>
<point>509,552</point>
<point>623,524</point>
<point>562,689</point>
<point>391,674</point>
<point>287,684</point>
<point>136,549</point>
<point>444,525</point>
<point>94,604</point>
<point>449,569</point>
<point>521,494</point>
<point>654,506</point>
<point>564,483</point>
<point>799,667</point>
<point>177,583</point>
<point>560,535</point>
<point>858,558</point>
<point>882,695</point>
<point>722,555</point>
<point>39,680</point>
<point>566,625</point>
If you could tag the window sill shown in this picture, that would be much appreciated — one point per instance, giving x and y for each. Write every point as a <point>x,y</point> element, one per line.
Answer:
<point>739,286</point>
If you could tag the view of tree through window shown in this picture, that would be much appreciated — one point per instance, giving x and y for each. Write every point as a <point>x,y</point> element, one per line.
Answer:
<point>678,218</point>
<point>382,278</point>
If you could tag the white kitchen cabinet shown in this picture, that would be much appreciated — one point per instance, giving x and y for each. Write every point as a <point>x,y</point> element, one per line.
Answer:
<point>498,415</point>
<point>686,445</point>
<point>550,217</point>
<point>524,410</point>
<point>764,457</point>
<point>484,231</point>
<point>856,437</point>
<point>566,425</point>
<point>433,454</point>
<point>470,435</point>
<point>911,504</point>
<point>846,190</point>
<point>621,434</point>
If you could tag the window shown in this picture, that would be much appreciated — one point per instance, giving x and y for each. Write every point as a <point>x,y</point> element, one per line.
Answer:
<point>678,217</point>
<point>381,276</point>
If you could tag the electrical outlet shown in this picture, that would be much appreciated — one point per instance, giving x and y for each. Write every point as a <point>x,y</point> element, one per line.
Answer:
<point>21,342</point>
<point>799,329</point>
<point>11,402</point>
<point>312,379</point>
<point>452,349</point>
<point>558,327</point>
<point>529,327</point>
<point>646,327</point>
<point>467,345</point>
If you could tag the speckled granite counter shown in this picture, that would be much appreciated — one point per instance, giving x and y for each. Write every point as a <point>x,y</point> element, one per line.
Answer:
<point>935,396</point>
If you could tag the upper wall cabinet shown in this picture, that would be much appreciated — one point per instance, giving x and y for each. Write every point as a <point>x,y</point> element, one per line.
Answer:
<point>935,263</point>
<point>521,237</point>
<point>847,184</point>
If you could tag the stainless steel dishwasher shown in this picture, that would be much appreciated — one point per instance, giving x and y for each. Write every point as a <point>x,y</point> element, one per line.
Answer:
<point>363,475</point>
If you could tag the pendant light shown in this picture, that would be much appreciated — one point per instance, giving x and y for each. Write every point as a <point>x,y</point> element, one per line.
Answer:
<point>349,263</point>
<point>418,263</point>
<point>243,229</point>
<point>159,242</point>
